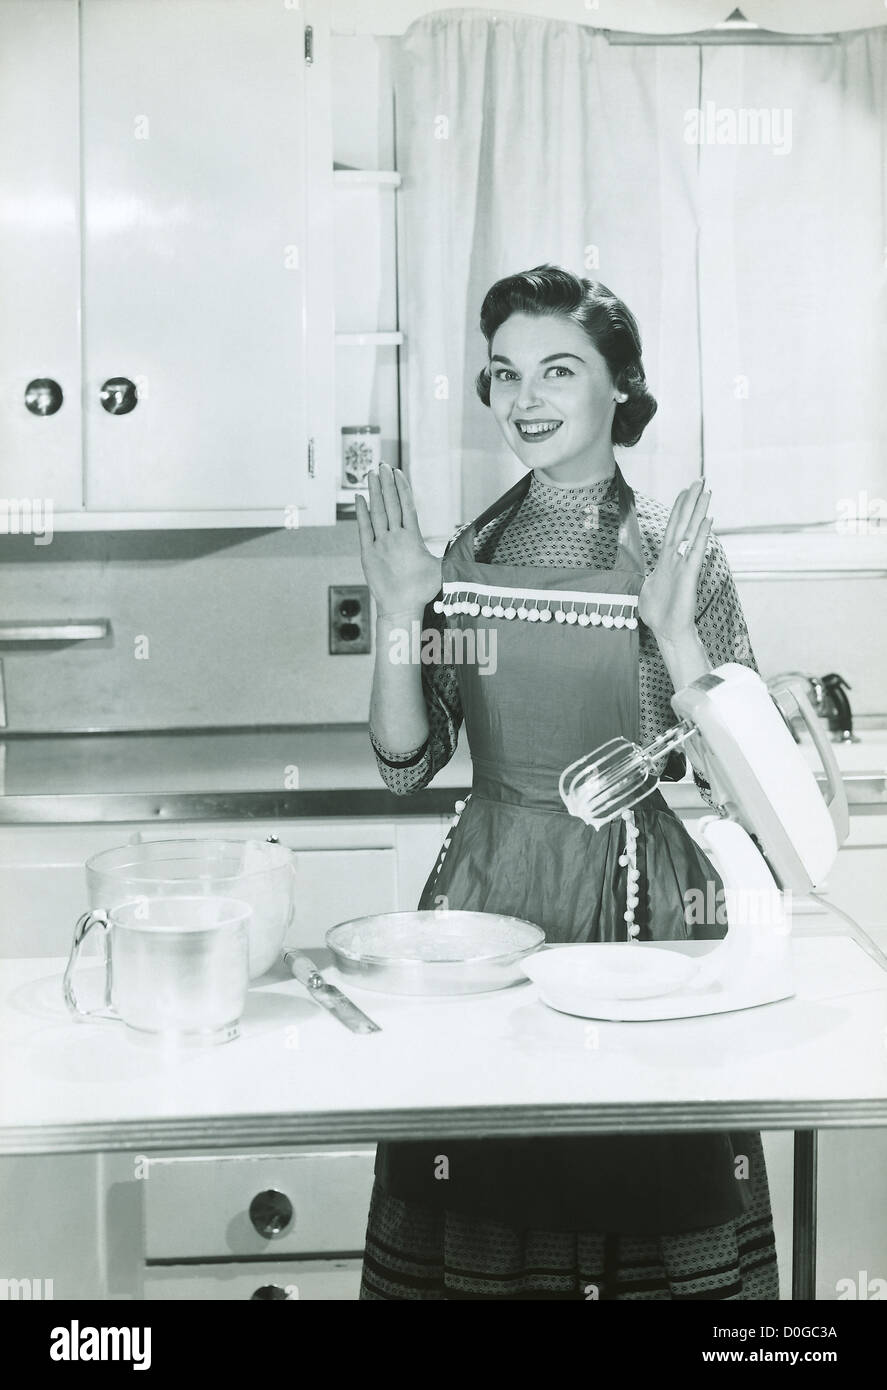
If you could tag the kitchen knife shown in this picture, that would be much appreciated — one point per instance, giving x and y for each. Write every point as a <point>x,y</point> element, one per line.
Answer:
<point>327,996</point>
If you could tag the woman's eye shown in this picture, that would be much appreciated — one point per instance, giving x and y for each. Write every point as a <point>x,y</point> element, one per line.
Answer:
<point>502,374</point>
<point>565,370</point>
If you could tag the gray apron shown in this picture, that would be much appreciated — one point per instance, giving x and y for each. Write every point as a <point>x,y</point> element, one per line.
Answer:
<point>561,688</point>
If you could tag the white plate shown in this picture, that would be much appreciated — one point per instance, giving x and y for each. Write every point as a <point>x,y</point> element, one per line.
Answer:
<point>574,978</point>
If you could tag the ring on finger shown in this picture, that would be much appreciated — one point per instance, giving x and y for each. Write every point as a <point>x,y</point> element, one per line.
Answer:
<point>682,548</point>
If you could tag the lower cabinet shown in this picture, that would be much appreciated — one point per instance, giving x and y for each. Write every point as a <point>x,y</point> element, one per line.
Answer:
<point>345,867</point>
<point>305,1280</point>
<point>234,1226</point>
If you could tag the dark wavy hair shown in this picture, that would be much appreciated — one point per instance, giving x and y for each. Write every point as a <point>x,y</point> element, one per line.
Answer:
<point>609,324</point>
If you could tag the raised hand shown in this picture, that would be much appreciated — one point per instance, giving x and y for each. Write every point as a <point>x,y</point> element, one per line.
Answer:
<point>401,571</point>
<point>667,601</point>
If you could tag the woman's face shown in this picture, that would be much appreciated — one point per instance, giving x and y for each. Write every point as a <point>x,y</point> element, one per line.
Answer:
<point>551,393</point>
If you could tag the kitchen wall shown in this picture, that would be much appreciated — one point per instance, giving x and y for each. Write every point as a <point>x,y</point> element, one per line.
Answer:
<point>236,620</point>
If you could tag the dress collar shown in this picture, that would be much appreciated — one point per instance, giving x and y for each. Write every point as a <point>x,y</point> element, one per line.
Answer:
<point>552,496</point>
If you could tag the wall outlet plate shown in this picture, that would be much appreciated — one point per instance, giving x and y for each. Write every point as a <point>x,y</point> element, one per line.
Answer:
<point>349,619</point>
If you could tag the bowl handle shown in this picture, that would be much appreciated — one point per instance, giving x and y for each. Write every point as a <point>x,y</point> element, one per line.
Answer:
<point>96,917</point>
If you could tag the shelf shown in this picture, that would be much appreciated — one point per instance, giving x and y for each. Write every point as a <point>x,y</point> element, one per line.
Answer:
<point>366,178</point>
<point>369,339</point>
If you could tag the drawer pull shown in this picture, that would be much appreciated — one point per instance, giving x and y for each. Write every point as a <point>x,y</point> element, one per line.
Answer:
<point>271,1213</point>
<point>269,1291</point>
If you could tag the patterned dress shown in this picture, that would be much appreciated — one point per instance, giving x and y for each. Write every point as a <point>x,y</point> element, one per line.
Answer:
<point>578,526</point>
<point>415,1252</point>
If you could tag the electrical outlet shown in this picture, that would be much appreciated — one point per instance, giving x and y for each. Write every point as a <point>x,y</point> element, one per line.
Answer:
<point>349,621</point>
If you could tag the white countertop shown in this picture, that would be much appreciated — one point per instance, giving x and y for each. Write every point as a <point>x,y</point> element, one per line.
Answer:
<point>500,1063</point>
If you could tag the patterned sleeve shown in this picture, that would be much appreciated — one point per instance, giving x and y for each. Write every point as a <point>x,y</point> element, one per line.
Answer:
<point>720,623</point>
<point>404,773</point>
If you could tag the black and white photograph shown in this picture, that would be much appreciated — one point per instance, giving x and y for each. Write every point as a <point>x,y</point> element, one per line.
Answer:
<point>443,676</point>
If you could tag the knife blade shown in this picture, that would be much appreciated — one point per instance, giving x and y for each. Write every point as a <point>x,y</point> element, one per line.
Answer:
<point>328,996</point>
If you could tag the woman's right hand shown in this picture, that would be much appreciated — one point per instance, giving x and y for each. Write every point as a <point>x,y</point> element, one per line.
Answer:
<point>402,573</point>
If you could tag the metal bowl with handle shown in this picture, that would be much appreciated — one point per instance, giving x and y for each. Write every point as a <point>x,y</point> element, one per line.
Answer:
<point>434,952</point>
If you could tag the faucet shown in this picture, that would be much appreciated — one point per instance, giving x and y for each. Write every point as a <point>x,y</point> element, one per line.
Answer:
<point>837,708</point>
<point>829,701</point>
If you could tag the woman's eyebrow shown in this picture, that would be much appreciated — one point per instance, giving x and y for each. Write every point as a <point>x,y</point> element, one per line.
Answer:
<point>552,358</point>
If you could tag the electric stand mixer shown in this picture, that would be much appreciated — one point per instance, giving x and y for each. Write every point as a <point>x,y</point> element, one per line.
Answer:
<point>776,832</point>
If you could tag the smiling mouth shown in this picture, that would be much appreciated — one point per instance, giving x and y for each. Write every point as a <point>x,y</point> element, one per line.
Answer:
<point>533,430</point>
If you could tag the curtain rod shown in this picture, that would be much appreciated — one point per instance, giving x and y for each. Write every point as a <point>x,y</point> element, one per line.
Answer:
<point>716,36</point>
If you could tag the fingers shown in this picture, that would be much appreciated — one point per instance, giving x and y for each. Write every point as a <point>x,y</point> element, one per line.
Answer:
<point>680,514</point>
<point>390,496</point>
<point>364,524</point>
<point>696,553</point>
<point>697,516</point>
<point>378,511</point>
<point>407,505</point>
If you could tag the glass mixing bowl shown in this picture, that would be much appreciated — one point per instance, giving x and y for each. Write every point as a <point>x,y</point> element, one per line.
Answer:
<point>255,871</point>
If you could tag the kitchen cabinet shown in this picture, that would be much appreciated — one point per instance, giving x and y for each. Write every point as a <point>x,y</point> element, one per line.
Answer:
<point>344,868</point>
<point>185,212</point>
<point>52,1228</point>
<point>368,340</point>
<point>39,250</point>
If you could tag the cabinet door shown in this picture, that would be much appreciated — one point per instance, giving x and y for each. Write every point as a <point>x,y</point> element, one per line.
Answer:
<point>40,457</point>
<point>51,1236</point>
<point>194,201</point>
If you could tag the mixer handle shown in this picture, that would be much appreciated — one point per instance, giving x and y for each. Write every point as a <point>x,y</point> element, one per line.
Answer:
<point>835,793</point>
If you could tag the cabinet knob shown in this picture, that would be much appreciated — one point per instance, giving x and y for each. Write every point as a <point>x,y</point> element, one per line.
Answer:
<point>119,395</point>
<point>269,1291</point>
<point>271,1212</point>
<point>43,396</point>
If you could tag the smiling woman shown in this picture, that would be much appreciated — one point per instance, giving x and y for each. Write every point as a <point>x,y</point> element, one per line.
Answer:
<point>593,379</point>
<point>659,1216</point>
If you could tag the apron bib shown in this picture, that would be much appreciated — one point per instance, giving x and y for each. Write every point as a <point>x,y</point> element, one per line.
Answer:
<point>558,676</point>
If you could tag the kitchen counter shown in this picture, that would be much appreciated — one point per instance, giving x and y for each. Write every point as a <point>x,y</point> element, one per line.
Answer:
<point>280,773</point>
<point>492,1064</point>
<point>265,773</point>
<point>317,770</point>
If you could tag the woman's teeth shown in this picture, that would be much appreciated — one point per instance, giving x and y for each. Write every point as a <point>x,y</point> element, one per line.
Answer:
<point>538,430</point>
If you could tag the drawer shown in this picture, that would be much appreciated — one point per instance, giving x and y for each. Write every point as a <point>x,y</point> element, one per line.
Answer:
<point>302,1280</point>
<point>198,1208</point>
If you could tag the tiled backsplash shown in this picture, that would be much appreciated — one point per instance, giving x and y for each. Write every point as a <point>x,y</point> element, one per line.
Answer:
<point>220,628</point>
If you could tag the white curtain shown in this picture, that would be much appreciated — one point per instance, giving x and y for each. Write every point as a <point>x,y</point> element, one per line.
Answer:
<point>793,282</point>
<point>523,139</point>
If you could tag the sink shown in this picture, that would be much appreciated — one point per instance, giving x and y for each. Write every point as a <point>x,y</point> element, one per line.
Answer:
<point>869,755</point>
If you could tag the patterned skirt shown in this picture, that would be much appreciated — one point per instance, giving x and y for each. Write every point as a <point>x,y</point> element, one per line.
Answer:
<point>413,1252</point>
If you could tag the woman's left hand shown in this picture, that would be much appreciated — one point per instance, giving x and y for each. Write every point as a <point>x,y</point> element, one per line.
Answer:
<point>667,601</point>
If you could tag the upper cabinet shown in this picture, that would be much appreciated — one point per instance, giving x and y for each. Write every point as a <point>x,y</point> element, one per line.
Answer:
<point>40,253</point>
<point>167,277</point>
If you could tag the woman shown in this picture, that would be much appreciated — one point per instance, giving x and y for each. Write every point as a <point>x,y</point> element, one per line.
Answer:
<point>639,603</point>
